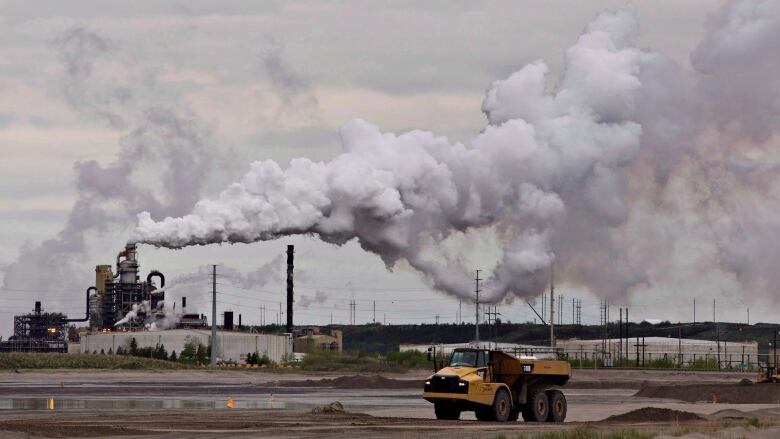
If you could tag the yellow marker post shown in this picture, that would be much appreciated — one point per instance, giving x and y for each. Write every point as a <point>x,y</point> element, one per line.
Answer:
<point>50,404</point>
<point>230,403</point>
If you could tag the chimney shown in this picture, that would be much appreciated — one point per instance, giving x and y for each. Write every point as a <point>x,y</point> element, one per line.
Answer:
<point>239,322</point>
<point>227,323</point>
<point>290,253</point>
<point>38,304</point>
<point>183,303</point>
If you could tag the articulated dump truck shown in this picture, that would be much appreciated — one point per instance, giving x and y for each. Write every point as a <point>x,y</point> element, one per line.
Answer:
<point>498,387</point>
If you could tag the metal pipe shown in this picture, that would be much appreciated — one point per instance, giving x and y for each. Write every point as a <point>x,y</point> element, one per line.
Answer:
<point>86,317</point>
<point>155,273</point>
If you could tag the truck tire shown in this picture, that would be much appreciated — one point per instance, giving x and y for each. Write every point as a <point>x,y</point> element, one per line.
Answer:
<point>446,411</point>
<point>502,406</point>
<point>537,407</point>
<point>557,406</point>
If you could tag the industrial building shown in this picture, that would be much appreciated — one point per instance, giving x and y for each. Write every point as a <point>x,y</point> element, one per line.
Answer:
<point>682,351</point>
<point>231,346</point>
<point>520,350</point>
<point>312,338</point>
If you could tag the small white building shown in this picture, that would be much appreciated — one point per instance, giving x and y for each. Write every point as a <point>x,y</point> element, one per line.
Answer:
<point>510,348</point>
<point>231,346</point>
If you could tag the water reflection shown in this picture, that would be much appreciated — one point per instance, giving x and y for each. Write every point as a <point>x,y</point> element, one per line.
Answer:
<point>133,403</point>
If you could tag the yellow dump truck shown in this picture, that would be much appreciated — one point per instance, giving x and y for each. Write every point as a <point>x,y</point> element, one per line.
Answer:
<point>498,387</point>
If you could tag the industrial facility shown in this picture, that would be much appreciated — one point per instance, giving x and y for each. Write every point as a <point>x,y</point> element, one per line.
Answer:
<point>117,294</point>
<point>40,331</point>
<point>120,307</point>
<point>230,346</point>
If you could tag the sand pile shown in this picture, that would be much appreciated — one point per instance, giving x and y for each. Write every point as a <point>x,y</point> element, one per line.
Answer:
<point>655,414</point>
<point>357,382</point>
<point>723,393</point>
<point>334,407</point>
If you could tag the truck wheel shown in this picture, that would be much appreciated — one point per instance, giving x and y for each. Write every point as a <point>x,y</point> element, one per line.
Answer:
<point>537,407</point>
<point>446,411</point>
<point>502,406</point>
<point>557,406</point>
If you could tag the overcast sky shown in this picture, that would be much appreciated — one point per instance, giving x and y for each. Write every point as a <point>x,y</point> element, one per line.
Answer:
<point>276,80</point>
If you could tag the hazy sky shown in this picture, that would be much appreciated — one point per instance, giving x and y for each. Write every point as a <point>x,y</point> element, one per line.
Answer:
<point>274,80</point>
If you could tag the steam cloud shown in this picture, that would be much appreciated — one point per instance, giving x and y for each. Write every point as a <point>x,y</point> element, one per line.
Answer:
<point>165,140</point>
<point>633,174</point>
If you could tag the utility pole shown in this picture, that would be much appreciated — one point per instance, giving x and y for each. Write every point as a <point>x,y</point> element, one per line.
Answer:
<point>374,319</point>
<point>626,331</point>
<point>620,334</point>
<point>552,305</point>
<point>460,311</point>
<point>573,316</point>
<point>492,321</point>
<point>694,310</point>
<point>476,311</point>
<point>560,309</point>
<point>717,330</point>
<point>214,316</point>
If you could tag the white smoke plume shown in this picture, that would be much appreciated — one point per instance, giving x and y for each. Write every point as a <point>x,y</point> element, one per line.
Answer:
<point>305,301</point>
<point>270,273</point>
<point>158,137</point>
<point>138,308</point>
<point>171,315</point>
<point>632,173</point>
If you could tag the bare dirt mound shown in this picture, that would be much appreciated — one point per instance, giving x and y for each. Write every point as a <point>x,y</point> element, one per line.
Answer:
<point>654,414</point>
<point>723,393</point>
<point>357,382</point>
<point>582,384</point>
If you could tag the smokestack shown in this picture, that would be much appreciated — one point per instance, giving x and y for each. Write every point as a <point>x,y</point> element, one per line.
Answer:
<point>240,325</point>
<point>227,323</point>
<point>290,253</point>
<point>183,302</point>
<point>38,304</point>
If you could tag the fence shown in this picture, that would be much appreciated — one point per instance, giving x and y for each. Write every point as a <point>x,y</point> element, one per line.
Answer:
<point>641,354</point>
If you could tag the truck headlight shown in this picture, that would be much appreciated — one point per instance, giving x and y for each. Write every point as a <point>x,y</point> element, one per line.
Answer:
<point>428,383</point>
<point>462,384</point>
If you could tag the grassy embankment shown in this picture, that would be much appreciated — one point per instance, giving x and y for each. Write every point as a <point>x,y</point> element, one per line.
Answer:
<point>19,360</point>
<point>364,362</point>
<point>314,362</point>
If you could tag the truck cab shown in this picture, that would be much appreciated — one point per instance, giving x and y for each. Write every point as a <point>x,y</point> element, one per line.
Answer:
<point>498,387</point>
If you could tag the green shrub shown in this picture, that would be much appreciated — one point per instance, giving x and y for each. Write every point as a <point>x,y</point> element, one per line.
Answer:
<point>412,359</point>
<point>352,361</point>
<point>754,422</point>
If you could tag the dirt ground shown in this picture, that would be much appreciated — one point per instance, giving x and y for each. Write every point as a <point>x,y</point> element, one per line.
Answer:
<point>179,404</point>
<point>723,393</point>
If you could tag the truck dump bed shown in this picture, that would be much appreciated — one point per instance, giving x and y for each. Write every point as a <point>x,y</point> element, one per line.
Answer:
<point>511,370</point>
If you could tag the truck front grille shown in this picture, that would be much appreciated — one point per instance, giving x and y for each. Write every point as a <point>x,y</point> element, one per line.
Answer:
<point>446,384</point>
